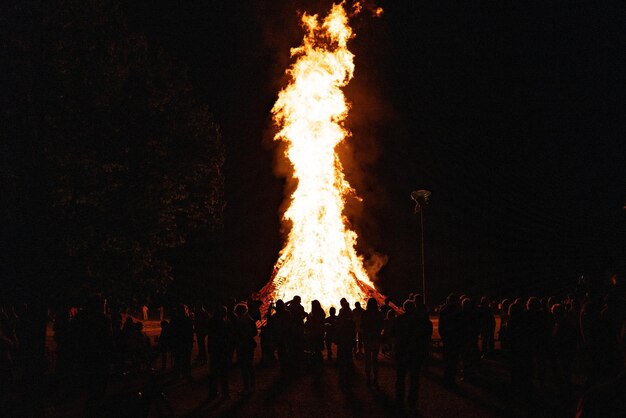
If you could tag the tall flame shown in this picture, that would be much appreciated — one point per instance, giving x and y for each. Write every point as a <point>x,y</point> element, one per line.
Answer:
<point>319,260</point>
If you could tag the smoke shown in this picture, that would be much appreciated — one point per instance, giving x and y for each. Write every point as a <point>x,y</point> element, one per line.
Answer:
<point>368,120</point>
<point>374,263</point>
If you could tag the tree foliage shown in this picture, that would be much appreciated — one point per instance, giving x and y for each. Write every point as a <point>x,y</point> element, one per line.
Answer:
<point>109,159</point>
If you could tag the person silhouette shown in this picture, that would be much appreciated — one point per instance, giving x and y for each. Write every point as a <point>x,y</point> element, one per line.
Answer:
<point>371,329</point>
<point>329,326</point>
<point>244,330</point>
<point>314,328</point>
<point>451,332</point>
<point>345,337</point>
<point>413,333</point>
<point>357,313</point>
<point>94,336</point>
<point>487,327</point>
<point>608,399</point>
<point>181,338</point>
<point>219,345</point>
<point>295,342</point>
<point>388,338</point>
<point>564,341</point>
<point>280,323</point>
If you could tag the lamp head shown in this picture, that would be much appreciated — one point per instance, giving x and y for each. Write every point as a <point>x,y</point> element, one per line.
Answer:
<point>420,197</point>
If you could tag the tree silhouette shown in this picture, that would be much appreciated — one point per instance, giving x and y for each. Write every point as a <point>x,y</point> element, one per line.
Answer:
<point>109,160</point>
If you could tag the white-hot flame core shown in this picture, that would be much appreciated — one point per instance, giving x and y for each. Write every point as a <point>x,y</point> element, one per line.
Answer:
<point>319,260</point>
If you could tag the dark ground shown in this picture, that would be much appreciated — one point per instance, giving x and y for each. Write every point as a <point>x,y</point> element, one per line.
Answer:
<point>320,396</point>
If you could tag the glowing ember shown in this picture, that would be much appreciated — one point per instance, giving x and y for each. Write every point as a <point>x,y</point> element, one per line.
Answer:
<point>318,260</point>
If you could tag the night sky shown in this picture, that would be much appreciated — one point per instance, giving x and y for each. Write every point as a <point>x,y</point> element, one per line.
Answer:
<point>512,113</point>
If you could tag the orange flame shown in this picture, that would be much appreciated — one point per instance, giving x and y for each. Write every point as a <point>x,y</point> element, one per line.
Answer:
<point>319,260</point>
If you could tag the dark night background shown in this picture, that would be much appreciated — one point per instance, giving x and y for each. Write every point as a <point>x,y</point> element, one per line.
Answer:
<point>512,113</point>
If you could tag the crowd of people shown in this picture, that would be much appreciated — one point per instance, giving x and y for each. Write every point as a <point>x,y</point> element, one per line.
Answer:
<point>541,341</point>
<point>300,340</point>
<point>11,331</point>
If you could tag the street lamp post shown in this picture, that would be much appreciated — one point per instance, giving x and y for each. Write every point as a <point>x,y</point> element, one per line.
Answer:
<point>421,197</point>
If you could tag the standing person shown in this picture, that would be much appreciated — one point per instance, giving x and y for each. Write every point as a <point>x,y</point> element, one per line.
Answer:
<point>451,332</point>
<point>220,344</point>
<point>164,343</point>
<point>487,327</point>
<point>296,343</point>
<point>201,324</point>
<point>296,310</point>
<point>267,338</point>
<point>7,345</point>
<point>357,313</point>
<point>503,309</point>
<point>599,342</point>
<point>386,307</point>
<point>314,328</point>
<point>230,307</point>
<point>345,336</point>
<point>540,324</point>
<point>181,333</point>
<point>371,329</point>
<point>329,325</point>
<point>470,353</point>
<point>388,334</point>
<point>62,338</point>
<point>93,331</point>
<point>144,311</point>
<point>609,399</point>
<point>126,336</point>
<point>564,341</point>
<point>519,346</point>
<point>136,347</point>
<point>413,333</point>
<point>244,330</point>
<point>281,331</point>
<point>254,308</point>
